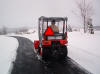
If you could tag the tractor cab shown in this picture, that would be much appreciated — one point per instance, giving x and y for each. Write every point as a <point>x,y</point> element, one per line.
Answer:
<point>52,42</point>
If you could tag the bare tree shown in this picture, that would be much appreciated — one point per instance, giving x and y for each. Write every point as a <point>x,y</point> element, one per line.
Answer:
<point>69,28</point>
<point>4,30</point>
<point>24,29</point>
<point>85,8</point>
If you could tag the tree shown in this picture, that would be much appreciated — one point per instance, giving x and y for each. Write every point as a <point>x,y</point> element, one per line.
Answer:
<point>85,8</point>
<point>4,30</point>
<point>90,26</point>
<point>69,28</point>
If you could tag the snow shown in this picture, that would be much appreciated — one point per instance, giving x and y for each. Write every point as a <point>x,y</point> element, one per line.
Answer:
<point>32,36</point>
<point>85,49</point>
<point>8,46</point>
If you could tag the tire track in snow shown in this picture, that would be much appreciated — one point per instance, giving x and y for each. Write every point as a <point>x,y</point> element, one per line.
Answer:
<point>27,63</point>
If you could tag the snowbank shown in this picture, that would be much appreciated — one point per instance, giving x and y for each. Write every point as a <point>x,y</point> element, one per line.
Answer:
<point>8,46</point>
<point>32,36</point>
<point>85,49</point>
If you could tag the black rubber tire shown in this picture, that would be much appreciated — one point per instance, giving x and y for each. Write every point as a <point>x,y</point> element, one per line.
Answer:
<point>57,53</point>
<point>64,50</point>
<point>46,53</point>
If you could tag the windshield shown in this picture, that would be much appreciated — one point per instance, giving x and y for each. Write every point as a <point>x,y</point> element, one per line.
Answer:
<point>57,27</point>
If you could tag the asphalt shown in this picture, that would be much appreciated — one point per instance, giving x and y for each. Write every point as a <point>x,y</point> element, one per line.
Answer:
<point>27,63</point>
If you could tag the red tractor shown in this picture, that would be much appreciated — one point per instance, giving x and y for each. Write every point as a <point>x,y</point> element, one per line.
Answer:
<point>52,45</point>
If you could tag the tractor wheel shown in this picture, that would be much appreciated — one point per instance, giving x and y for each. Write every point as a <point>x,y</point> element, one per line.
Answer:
<point>64,52</point>
<point>56,53</point>
<point>46,53</point>
<point>59,53</point>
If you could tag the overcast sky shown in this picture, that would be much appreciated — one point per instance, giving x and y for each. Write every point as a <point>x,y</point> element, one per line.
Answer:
<point>18,13</point>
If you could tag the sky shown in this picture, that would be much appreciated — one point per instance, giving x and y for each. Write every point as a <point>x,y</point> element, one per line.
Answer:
<point>19,13</point>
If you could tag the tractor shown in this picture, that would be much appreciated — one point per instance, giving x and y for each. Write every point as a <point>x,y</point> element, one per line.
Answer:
<point>51,45</point>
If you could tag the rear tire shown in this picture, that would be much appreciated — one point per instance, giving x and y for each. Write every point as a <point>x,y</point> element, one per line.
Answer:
<point>64,52</point>
<point>57,53</point>
<point>46,53</point>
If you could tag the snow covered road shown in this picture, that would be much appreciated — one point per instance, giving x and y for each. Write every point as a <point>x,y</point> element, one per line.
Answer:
<point>27,63</point>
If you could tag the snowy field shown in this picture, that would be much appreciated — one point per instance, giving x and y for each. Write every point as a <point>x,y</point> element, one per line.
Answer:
<point>83,48</point>
<point>8,46</point>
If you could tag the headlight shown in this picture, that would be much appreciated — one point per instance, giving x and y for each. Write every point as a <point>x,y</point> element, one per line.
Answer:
<point>54,37</point>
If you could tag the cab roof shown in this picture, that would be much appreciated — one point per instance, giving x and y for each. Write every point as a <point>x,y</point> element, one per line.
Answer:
<point>49,19</point>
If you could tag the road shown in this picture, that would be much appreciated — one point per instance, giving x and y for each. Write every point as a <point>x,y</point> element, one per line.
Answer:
<point>27,63</point>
